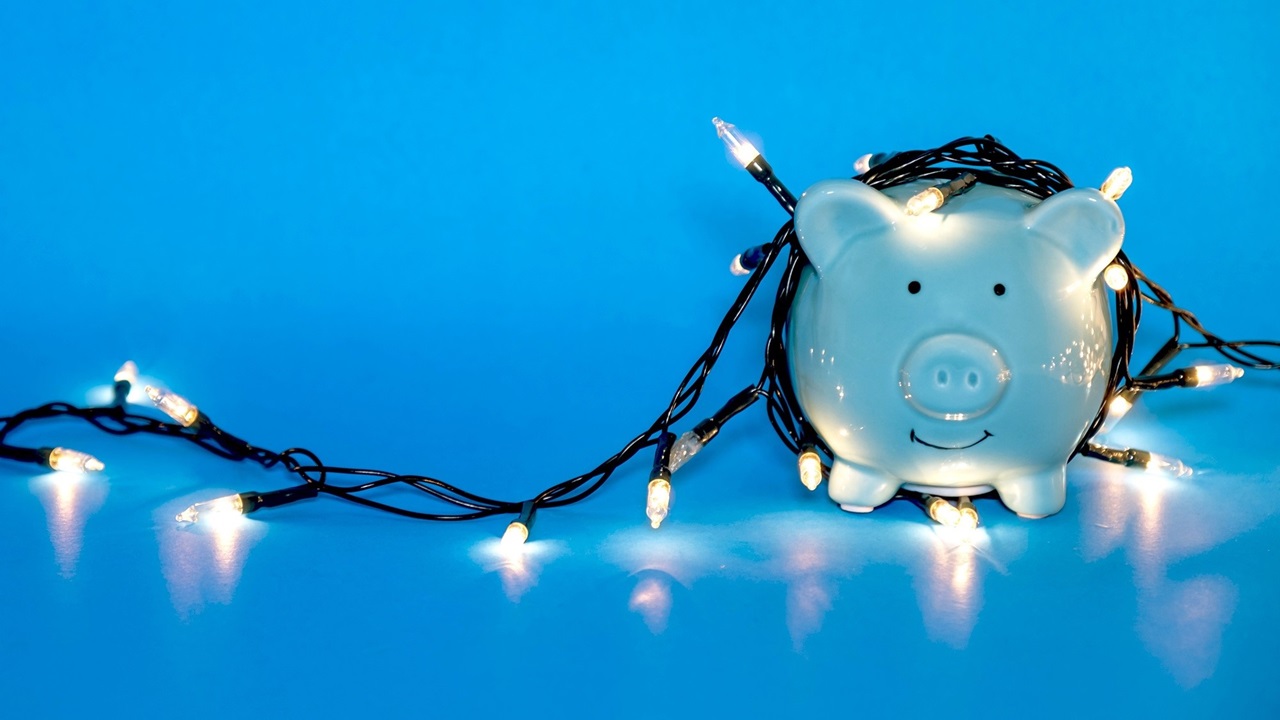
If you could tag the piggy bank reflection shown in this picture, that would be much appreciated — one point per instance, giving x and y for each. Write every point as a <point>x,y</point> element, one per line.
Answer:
<point>956,352</point>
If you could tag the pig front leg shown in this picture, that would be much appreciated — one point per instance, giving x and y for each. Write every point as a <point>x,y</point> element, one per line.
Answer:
<point>857,488</point>
<point>1034,494</point>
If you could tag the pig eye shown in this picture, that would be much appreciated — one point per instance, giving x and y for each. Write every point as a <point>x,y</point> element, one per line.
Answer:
<point>999,288</point>
<point>913,287</point>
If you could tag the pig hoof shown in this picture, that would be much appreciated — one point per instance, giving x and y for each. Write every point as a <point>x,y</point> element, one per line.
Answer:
<point>859,489</point>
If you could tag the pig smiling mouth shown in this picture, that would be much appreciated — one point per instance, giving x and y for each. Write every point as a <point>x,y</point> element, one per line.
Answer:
<point>916,438</point>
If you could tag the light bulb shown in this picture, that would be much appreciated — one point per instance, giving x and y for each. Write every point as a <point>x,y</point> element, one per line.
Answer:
<point>925,201</point>
<point>174,405</point>
<point>1119,406</point>
<point>515,536</point>
<point>659,502</point>
<point>942,512</point>
<point>128,372</point>
<point>1116,183</point>
<point>684,449</point>
<point>743,151</point>
<point>64,460</point>
<point>1210,375</point>
<point>213,510</point>
<point>1116,277</point>
<point>1157,463</point>
<point>968,516</point>
<point>863,164</point>
<point>736,267</point>
<point>809,464</point>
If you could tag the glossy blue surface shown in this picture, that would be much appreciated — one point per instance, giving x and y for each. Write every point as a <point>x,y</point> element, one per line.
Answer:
<point>485,243</point>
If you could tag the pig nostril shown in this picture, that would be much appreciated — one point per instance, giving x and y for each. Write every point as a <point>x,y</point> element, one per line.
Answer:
<point>953,377</point>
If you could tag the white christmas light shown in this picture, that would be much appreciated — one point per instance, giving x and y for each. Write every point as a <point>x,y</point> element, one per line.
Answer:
<point>515,536</point>
<point>658,505</point>
<point>863,164</point>
<point>128,372</point>
<point>743,151</point>
<point>809,463</point>
<point>64,460</point>
<point>925,201</point>
<point>1116,183</point>
<point>1116,277</point>
<point>684,449</point>
<point>942,512</point>
<point>1210,375</point>
<point>213,510</point>
<point>174,405</point>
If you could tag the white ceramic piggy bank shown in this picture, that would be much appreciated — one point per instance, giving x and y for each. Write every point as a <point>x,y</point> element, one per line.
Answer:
<point>955,352</point>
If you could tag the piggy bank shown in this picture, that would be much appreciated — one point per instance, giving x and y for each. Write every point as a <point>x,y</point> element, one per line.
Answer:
<point>955,352</point>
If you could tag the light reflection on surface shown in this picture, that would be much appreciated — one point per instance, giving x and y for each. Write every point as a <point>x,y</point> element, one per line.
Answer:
<point>1159,521</point>
<point>518,567</point>
<point>651,599</point>
<point>949,591</point>
<point>69,499</point>
<point>202,562</point>
<point>816,555</point>
<point>661,561</point>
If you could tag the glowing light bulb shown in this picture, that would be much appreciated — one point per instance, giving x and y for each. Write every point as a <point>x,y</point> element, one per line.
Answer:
<point>174,405</point>
<point>925,201</point>
<point>213,510</point>
<point>942,512</point>
<point>659,502</point>
<point>128,372</point>
<point>809,464</point>
<point>1116,183</point>
<point>1210,375</point>
<point>743,151</point>
<point>1116,277</point>
<point>64,460</point>
<point>736,266</point>
<point>515,536</point>
<point>1162,464</point>
<point>685,448</point>
<point>968,520</point>
<point>863,164</point>
<point>1119,408</point>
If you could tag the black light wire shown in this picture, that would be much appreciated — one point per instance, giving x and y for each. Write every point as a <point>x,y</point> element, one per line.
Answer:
<point>985,157</point>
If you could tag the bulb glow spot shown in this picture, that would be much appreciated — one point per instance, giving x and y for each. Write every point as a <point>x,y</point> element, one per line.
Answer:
<point>1116,277</point>
<point>943,512</point>
<point>213,511</point>
<point>1116,183</point>
<point>174,405</point>
<point>925,201</point>
<point>743,151</point>
<point>64,460</point>
<point>659,501</point>
<point>515,536</point>
<point>1210,375</point>
<point>810,466</point>
<point>128,372</point>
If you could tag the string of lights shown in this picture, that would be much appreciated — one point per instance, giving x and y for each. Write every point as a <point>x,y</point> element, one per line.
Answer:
<point>956,167</point>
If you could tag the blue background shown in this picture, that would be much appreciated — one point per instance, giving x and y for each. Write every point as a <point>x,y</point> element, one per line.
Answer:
<point>484,241</point>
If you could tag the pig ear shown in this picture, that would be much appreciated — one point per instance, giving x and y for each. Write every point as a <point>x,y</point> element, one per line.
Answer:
<point>834,213</point>
<point>1084,224</point>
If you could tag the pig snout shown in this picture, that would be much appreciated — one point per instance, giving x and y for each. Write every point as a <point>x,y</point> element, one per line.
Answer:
<point>954,377</point>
